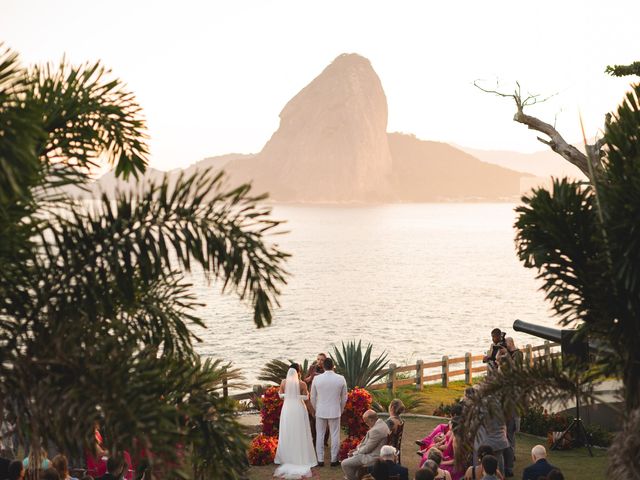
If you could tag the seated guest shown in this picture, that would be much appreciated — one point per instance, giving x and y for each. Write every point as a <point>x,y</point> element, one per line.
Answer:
<point>440,441</point>
<point>396,408</point>
<point>116,468</point>
<point>35,458</point>
<point>61,464</point>
<point>424,474</point>
<point>448,462</point>
<point>433,464</point>
<point>555,474</point>
<point>50,474</point>
<point>15,471</point>
<point>436,435</point>
<point>540,467</point>
<point>386,465</point>
<point>489,467</point>
<point>476,472</point>
<point>368,450</point>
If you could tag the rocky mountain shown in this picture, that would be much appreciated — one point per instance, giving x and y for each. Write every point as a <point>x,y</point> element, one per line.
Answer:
<point>332,146</point>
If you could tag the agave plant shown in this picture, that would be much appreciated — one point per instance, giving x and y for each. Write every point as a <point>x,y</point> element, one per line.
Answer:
<point>357,366</point>
<point>276,370</point>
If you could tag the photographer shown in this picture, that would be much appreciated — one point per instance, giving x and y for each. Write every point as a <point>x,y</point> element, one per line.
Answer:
<point>497,342</point>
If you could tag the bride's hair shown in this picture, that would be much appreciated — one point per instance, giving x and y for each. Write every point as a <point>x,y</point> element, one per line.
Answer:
<point>296,367</point>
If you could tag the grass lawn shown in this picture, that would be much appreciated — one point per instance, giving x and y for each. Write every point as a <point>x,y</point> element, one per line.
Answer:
<point>575,464</point>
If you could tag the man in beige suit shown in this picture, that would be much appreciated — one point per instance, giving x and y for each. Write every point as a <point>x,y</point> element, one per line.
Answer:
<point>368,450</point>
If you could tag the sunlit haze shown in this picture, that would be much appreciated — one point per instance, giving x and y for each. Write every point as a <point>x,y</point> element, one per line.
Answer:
<point>212,77</point>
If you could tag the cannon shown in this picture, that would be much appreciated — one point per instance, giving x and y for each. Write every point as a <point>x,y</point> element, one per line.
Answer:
<point>574,348</point>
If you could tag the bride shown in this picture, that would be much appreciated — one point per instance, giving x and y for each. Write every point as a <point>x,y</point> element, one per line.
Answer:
<point>295,453</point>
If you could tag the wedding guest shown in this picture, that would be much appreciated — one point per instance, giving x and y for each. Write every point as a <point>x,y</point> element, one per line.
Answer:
<point>555,474</point>
<point>433,463</point>
<point>476,472</point>
<point>61,464</point>
<point>16,470</point>
<point>368,450</point>
<point>492,432</point>
<point>386,465</point>
<point>396,408</point>
<point>436,435</point>
<point>116,468</point>
<point>35,458</point>
<point>540,466</point>
<point>424,474</point>
<point>50,474</point>
<point>489,467</point>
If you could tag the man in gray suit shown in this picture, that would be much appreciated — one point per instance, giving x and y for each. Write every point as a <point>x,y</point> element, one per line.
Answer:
<point>368,450</point>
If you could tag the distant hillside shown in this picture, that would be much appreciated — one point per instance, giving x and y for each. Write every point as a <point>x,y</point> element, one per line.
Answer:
<point>434,171</point>
<point>544,163</point>
<point>332,147</point>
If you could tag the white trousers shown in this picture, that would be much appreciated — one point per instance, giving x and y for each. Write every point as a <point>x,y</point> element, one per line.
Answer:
<point>334,433</point>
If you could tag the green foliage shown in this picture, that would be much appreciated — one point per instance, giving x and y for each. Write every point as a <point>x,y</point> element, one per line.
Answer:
<point>585,244</point>
<point>95,314</point>
<point>537,421</point>
<point>276,370</point>
<point>623,70</point>
<point>382,398</point>
<point>357,366</point>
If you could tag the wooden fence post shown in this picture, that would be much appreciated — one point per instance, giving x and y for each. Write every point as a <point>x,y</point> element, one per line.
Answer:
<point>419,375</point>
<point>547,349</point>
<point>468,374</point>
<point>391,381</point>
<point>528,355</point>
<point>225,388</point>
<point>445,371</point>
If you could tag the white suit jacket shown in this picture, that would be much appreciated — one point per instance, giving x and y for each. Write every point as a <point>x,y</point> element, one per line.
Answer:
<point>328,394</point>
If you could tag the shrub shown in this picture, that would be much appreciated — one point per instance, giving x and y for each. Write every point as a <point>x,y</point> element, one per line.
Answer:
<point>444,410</point>
<point>262,450</point>
<point>382,398</point>
<point>537,421</point>
<point>358,401</point>
<point>270,411</point>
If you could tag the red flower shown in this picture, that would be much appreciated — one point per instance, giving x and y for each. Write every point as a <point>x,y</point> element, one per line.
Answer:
<point>262,450</point>
<point>358,401</point>
<point>270,411</point>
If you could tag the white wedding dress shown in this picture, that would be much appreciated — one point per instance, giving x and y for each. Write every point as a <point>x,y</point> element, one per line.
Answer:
<point>295,453</point>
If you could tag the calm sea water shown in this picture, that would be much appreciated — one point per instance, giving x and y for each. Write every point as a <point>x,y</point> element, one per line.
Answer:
<point>417,280</point>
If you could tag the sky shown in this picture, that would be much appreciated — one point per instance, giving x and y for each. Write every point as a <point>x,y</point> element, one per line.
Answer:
<point>212,76</point>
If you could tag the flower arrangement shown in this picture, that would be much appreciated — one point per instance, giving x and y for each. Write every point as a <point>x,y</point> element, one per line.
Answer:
<point>347,445</point>
<point>270,411</point>
<point>358,401</point>
<point>262,450</point>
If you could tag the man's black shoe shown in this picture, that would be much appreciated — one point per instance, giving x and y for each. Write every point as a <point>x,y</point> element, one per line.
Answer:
<point>321,464</point>
<point>335,464</point>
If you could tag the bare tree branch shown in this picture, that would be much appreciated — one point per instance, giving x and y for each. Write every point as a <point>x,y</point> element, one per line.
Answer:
<point>555,141</point>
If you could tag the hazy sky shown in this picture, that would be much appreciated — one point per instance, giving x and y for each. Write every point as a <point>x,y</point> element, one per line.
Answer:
<point>213,76</point>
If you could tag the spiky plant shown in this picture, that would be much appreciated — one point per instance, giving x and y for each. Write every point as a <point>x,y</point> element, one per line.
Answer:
<point>412,401</point>
<point>276,370</point>
<point>356,364</point>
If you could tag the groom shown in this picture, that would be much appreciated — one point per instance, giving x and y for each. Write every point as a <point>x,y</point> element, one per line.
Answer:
<point>328,397</point>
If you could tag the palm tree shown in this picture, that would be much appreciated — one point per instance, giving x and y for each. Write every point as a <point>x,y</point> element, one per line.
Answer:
<point>584,241</point>
<point>95,314</point>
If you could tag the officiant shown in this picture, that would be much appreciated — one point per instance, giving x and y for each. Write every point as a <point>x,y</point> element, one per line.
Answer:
<point>315,369</point>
